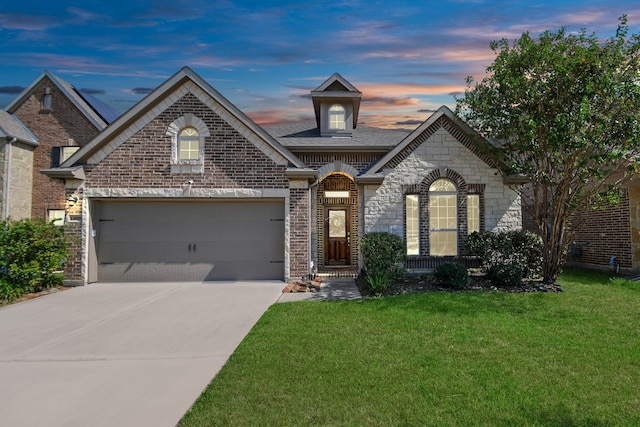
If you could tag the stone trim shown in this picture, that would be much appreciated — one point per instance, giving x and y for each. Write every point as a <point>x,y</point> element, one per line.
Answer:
<point>337,167</point>
<point>187,191</point>
<point>174,129</point>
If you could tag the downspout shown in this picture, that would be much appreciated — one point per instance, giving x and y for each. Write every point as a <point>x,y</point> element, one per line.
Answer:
<point>8,178</point>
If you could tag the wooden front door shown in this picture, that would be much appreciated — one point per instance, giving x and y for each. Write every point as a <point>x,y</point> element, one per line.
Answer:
<point>337,236</point>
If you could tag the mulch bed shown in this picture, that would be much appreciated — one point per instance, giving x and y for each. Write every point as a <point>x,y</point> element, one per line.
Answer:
<point>412,285</point>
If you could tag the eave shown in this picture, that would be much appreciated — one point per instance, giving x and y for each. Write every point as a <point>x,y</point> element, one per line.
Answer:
<point>76,172</point>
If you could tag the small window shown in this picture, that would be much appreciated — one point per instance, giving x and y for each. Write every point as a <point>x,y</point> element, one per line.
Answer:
<point>47,99</point>
<point>412,224</point>
<point>473,213</point>
<point>337,117</point>
<point>56,216</point>
<point>336,194</point>
<point>443,218</point>
<point>60,154</point>
<point>189,144</point>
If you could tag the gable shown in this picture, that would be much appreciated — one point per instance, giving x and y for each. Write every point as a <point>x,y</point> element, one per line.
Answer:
<point>171,91</point>
<point>145,159</point>
<point>441,119</point>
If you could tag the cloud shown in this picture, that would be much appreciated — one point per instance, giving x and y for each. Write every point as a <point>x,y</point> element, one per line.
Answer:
<point>11,90</point>
<point>411,122</point>
<point>93,91</point>
<point>141,90</point>
<point>27,22</point>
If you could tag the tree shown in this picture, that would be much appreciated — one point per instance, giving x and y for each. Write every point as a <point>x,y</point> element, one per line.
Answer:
<point>563,111</point>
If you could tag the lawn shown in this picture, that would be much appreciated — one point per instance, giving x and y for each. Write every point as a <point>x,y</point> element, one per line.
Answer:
<point>439,359</point>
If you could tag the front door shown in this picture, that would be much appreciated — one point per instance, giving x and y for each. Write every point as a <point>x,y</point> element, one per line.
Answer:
<point>337,236</point>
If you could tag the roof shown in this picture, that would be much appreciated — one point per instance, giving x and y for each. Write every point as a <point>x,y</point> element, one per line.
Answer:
<point>156,101</point>
<point>305,136</point>
<point>12,127</point>
<point>97,112</point>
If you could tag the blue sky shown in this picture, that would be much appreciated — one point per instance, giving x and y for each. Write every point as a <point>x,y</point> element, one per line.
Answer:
<point>407,57</point>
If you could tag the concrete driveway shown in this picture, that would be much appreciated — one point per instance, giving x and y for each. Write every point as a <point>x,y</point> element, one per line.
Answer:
<point>125,354</point>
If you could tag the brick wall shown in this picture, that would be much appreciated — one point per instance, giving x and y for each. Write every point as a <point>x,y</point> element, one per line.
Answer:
<point>604,233</point>
<point>299,230</point>
<point>53,128</point>
<point>360,161</point>
<point>144,161</point>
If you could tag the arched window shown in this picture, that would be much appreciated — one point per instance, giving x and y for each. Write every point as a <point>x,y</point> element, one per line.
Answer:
<point>443,218</point>
<point>337,117</point>
<point>188,144</point>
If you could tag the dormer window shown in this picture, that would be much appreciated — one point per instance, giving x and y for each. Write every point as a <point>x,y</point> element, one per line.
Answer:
<point>337,117</point>
<point>189,144</point>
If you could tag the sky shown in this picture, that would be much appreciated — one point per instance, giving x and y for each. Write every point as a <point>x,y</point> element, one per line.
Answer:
<point>407,57</point>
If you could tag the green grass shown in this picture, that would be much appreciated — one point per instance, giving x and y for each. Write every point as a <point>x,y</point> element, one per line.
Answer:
<point>439,359</point>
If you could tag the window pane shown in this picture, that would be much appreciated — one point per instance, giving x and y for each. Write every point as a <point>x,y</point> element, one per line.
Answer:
<point>337,223</point>
<point>442,185</point>
<point>473,213</point>
<point>337,117</point>
<point>442,212</point>
<point>188,144</point>
<point>412,225</point>
<point>336,194</point>
<point>443,243</point>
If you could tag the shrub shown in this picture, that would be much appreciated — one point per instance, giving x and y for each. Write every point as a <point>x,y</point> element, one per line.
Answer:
<point>382,252</point>
<point>511,247</point>
<point>505,275</point>
<point>452,275</point>
<point>30,252</point>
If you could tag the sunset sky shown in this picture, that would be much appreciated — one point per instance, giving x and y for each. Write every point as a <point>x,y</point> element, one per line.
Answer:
<point>407,57</point>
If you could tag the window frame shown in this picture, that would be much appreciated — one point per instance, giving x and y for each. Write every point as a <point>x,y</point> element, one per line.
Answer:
<point>434,195</point>
<point>174,131</point>
<point>188,140</point>
<point>415,225</point>
<point>339,113</point>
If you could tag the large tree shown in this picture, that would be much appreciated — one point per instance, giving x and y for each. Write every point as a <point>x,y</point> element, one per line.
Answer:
<point>563,111</point>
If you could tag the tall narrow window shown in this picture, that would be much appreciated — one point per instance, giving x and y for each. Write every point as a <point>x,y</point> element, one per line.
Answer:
<point>188,144</point>
<point>443,218</point>
<point>412,225</point>
<point>46,100</point>
<point>473,213</point>
<point>337,117</point>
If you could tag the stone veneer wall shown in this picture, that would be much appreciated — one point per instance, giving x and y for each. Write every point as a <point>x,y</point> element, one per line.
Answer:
<point>20,186</point>
<point>384,204</point>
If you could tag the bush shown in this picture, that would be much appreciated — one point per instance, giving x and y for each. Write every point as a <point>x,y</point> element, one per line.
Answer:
<point>522,248</point>
<point>30,252</point>
<point>383,253</point>
<point>505,275</point>
<point>452,275</point>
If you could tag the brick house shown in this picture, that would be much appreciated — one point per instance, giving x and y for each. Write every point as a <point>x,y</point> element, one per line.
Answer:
<point>61,119</point>
<point>184,186</point>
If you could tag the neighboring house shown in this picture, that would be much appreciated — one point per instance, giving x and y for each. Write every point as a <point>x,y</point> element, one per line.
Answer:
<point>609,238</point>
<point>16,167</point>
<point>62,119</point>
<point>184,186</point>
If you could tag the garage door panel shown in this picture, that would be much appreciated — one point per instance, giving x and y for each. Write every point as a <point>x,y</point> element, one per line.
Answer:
<point>152,241</point>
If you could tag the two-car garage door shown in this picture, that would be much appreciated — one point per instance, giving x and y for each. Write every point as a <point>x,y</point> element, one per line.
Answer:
<point>188,241</point>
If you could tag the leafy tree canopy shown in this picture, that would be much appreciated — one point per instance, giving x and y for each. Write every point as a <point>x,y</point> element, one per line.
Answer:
<point>563,111</point>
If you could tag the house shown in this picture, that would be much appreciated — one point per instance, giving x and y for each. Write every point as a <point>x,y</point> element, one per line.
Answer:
<point>61,119</point>
<point>185,186</point>
<point>609,238</point>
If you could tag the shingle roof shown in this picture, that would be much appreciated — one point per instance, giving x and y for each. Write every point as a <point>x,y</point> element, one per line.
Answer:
<point>305,136</point>
<point>11,127</point>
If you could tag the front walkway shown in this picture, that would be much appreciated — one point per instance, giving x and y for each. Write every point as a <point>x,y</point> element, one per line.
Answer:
<point>332,288</point>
